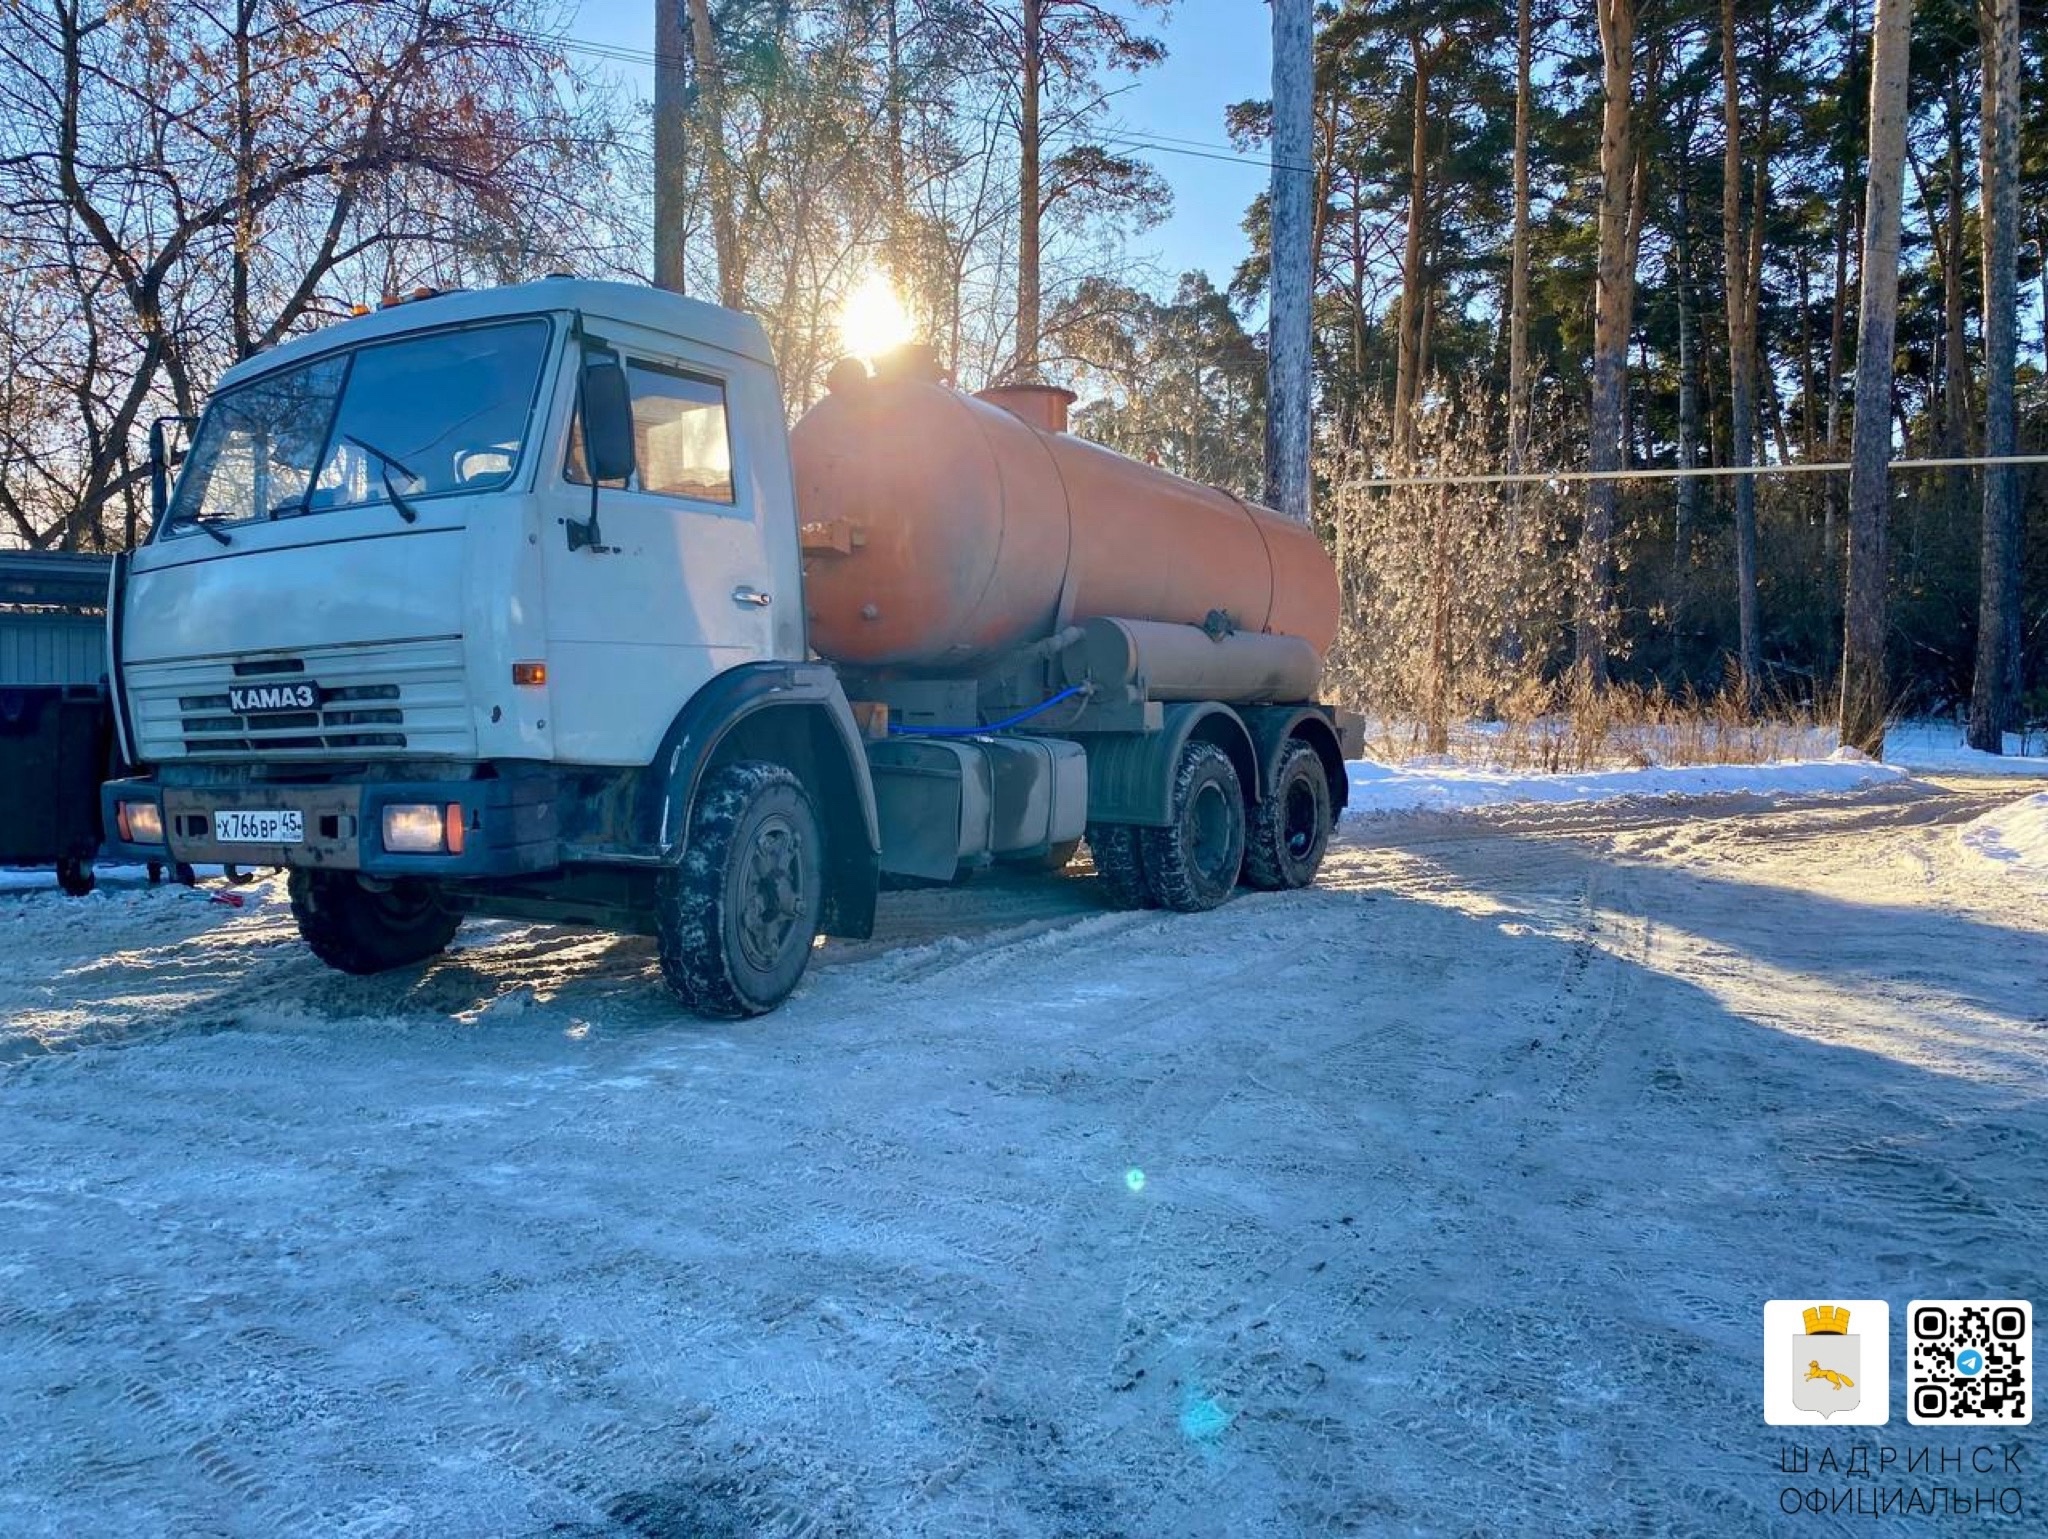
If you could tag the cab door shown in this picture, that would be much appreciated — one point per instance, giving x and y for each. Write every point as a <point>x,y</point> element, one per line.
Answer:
<point>676,586</point>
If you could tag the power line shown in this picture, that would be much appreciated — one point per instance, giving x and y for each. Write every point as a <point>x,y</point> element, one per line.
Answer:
<point>1125,138</point>
<point>1804,467</point>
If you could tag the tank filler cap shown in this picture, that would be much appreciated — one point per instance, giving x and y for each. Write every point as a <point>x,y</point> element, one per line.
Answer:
<point>1043,406</point>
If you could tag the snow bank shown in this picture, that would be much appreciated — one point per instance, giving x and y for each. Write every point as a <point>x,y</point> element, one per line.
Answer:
<point>1435,786</point>
<point>2014,837</point>
<point>1938,746</point>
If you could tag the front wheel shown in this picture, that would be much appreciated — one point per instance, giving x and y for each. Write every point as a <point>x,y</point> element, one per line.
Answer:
<point>1291,829</point>
<point>74,875</point>
<point>361,929</point>
<point>738,914</point>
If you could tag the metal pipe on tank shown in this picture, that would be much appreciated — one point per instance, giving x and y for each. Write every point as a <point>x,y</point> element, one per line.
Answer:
<point>1185,662</point>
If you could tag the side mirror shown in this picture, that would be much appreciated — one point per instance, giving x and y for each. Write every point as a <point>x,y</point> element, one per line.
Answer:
<point>164,457</point>
<point>607,420</point>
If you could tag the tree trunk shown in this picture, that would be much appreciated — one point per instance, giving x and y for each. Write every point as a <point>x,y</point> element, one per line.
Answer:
<point>1845,220</point>
<point>1029,205</point>
<point>1613,314</point>
<point>1864,696</point>
<point>1809,424</point>
<point>895,259</point>
<point>1838,312</point>
<point>1994,695</point>
<point>725,241</point>
<point>1955,348</point>
<point>671,141</point>
<point>1408,343</point>
<point>245,176</point>
<point>1518,255</point>
<point>1293,261</point>
<point>1742,360</point>
<point>1689,487</point>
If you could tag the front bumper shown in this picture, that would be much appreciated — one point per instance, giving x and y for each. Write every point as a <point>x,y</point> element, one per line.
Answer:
<point>510,825</point>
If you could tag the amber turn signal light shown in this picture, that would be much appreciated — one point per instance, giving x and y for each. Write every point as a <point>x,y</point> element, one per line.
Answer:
<point>530,674</point>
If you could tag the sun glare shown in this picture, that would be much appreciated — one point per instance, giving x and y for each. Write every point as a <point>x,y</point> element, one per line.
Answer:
<point>873,321</point>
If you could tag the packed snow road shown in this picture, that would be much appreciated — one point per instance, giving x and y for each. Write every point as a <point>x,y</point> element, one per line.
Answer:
<point>1442,1199</point>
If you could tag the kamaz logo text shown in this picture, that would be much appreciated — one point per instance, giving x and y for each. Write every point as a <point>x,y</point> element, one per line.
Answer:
<point>253,699</point>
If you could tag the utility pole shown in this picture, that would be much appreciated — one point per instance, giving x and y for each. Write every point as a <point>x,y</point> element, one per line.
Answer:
<point>1994,697</point>
<point>1292,276</point>
<point>671,139</point>
<point>1864,698</point>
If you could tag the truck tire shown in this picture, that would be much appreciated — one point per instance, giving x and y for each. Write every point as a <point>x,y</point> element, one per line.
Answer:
<point>1120,865</point>
<point>1192,864</point>
<point>736,917</point>
<point>1290,830</point>
<point>363,930</point>
<point>74,875</point>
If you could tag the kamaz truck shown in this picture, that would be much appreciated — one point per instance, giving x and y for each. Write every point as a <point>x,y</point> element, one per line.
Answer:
<point>527,602</point>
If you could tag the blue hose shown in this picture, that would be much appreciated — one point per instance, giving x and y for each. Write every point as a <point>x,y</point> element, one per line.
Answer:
<point>995,726</point>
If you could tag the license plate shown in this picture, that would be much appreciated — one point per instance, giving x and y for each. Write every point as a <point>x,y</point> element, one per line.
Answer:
<point>282,825</point>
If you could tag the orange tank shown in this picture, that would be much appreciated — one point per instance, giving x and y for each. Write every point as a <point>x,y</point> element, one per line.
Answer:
<point>942,530</point>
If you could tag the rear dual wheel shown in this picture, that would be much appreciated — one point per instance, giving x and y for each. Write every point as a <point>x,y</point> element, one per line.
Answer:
<point>1212,843</point>
<point>1119,865</point>
<point>1192,863</point>
<point>1290,830</point>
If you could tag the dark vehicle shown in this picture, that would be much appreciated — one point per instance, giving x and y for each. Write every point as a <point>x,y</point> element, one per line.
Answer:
<point>56,722</point>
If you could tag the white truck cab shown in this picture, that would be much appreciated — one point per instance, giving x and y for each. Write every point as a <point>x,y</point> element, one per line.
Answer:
<point>343,520</point>
<point>493,602</point>
<point>388,633</point>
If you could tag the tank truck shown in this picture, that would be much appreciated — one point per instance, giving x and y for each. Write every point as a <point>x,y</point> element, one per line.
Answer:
<point>526,602</point>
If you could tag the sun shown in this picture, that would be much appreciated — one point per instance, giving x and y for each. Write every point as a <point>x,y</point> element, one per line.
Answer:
<point>873,321</point>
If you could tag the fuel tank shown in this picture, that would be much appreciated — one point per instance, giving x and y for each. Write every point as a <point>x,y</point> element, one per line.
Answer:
<point>944,529</point>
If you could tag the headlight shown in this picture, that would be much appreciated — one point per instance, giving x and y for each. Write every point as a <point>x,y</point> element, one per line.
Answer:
<point>140,822</point>
<point>423,828</point>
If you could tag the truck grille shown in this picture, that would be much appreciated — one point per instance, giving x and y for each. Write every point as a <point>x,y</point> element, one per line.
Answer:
<point>389,698</point>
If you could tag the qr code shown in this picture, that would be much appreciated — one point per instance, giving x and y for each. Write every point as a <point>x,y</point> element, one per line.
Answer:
<point>1969,1362</point>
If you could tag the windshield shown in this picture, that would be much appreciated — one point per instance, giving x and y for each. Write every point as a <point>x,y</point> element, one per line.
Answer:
<point>419,416</point>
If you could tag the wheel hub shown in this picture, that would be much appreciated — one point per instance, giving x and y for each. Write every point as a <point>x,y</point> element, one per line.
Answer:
<point>1301,825</point>
<point>1209,827</point>
<point>771,893</point>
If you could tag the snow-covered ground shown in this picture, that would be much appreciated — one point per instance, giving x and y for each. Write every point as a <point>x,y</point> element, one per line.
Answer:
<point>1940,747</point>
<point>2013,837</point>
<point>44,878</point>
<point>1442,1198</point>
<point>1429,785</point>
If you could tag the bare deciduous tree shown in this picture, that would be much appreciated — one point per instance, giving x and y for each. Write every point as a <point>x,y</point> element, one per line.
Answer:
<point>185,186</point>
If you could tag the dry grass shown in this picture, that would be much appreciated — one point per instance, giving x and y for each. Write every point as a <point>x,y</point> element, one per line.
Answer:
<point>1569,729</point>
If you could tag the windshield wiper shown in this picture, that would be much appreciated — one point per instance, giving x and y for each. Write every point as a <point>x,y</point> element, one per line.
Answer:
<point>202,521</point>
<point>390,463</point>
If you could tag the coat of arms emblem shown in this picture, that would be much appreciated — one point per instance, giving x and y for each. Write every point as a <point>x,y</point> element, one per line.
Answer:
<point>1827,1362</point>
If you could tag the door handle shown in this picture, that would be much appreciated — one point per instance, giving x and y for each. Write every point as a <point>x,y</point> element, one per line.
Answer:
<point>745,595</point>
